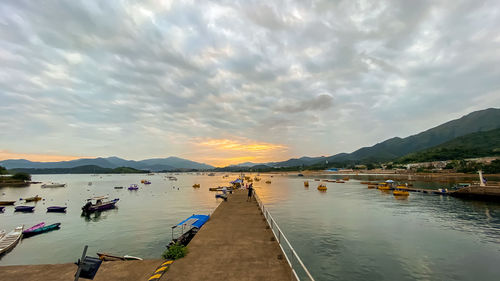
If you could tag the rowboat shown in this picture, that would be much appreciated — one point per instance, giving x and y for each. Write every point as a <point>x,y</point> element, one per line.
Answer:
<point>24,209</point>
<point>133,187</point>
<point>56,209</point>
<point>99,205</point>
<point>146,182</point>
<point>118,187</point>
<point>109,257</point>
<point>55,184</point>
<point>36,226</point>
<point>42,229</point>
<point>6,203</point>
<point>2,209</point>
<point>33,199</point>
<point>196,185</point>
<point>9,241</point>
<point>268,182</point>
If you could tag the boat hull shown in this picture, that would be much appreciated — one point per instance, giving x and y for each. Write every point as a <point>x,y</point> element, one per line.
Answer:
<point>41,230</point>
<point>25,209</point>
<point>56,209</point>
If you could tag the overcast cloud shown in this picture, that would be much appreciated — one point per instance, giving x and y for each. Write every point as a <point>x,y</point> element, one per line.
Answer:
<point>141,79</point>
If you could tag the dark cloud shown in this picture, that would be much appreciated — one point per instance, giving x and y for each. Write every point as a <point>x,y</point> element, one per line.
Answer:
<point>321,77</point>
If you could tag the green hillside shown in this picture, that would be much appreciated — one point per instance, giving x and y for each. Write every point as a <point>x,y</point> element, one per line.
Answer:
<point>473,145</point>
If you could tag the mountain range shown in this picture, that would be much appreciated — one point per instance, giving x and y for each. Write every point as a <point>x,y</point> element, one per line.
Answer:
<point>155,164</point>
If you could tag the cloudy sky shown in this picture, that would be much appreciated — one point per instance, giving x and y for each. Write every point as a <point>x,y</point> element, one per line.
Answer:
<point>233,81</point>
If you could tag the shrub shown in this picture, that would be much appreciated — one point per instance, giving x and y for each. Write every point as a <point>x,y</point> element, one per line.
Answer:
<point>175,251</point>
<point>22,176</point>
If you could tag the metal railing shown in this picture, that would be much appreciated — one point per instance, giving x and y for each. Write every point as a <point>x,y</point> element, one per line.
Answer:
<point>291,256</point>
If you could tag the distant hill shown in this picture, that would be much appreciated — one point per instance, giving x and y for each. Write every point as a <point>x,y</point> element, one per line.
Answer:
<point>473,145</point>
<point>87,169</point>
<point>156,164</point>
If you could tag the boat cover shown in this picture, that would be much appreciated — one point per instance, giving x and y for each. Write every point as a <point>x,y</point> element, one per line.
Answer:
<point>236,181</point>
<point>195,220</point>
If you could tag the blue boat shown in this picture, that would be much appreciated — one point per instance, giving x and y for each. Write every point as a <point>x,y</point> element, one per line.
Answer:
<point>41,230</point>
<point>56,209</point>
<point>2,209</point>
<point>192,224</point>
<point>25,209</point>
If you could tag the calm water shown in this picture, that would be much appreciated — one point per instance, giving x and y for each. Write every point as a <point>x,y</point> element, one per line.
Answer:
<point>347,233</point>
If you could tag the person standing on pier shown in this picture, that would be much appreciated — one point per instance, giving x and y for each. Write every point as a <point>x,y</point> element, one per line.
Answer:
<point>250,191</point>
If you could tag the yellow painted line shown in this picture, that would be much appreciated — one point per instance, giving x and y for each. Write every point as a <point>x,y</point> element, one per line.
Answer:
<point>161,269</point>
<point>167,262</point>
<point>154,277</point>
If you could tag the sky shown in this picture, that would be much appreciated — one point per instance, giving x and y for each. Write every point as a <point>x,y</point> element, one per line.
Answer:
<point>224,82</point>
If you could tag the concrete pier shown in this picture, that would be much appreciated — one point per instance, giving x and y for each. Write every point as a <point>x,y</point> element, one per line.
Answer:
<point>235,244</point>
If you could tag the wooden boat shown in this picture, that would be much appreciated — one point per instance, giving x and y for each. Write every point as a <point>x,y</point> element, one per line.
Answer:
<point>196,185</point>
<point>7,203</point>
<point>54,184</point>
<point>36,226</point>
<point>25,209</point>
<point>56,209</point>
<point>42,229</point>
<point>372,186</point>
<point>400,192</point>
<point>339,181</point>
<point>322,187</point>
<point>33,199</point>
<point>99,205</point>
<point>9,241</point>
<point>109,257</point>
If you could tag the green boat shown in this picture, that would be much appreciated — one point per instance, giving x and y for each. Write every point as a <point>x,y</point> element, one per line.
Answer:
<point>41,230</point>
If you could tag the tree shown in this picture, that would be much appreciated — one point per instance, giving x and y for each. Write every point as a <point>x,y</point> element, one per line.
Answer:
<point>22,176</point>
<point>3,171</point>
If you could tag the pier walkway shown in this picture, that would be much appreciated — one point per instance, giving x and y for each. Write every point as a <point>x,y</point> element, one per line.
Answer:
<point>235,244</point>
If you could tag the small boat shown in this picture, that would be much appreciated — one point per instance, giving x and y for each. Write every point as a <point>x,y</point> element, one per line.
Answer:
<point>211,174</point>
<point>256,179</point>
<point>146,182</point>
<point>55,184</point>
<point>133,187</point>
<point>90,183</point>
<point>36,226</point>
<point>33,199</point>
<point>9,241</point>
<point>339,181</point>
<point>370,186</point>
<point>346,178</point>
<point>99,205</point>
<point>109,257</point>
<point>42,229</point>
<point>25,209</point>
<point>118,187</point>
<point>56,209</point>
<point>322,187</point>
<point>7,203</point>
<point>384,186</point>
<point>196,185</point>
<point>316,179</point>
<point>300,175</point>
<point>2,209</point>
<point>306,184</point>
<point>268,182</point>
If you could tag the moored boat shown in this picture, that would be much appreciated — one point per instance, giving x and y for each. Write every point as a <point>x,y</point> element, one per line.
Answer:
<point>2,209</point>
<point>99,205</point>
<point>268,182</point>
<point>133,187</point>
<point>118,187</point>
<point>42,229</point>
<point>109,257</point>
<point>25,209</point>
<point>36,226</point>
<point>196,185</point>
<point>306,184</point>
<point>9,241</point>
<point>56,209</point>
<point>322,187</point>
<point>7,203</point>
<point>55,184</point>
<point>33,199</point>
<point>146,182</point>
<point>192,224</point>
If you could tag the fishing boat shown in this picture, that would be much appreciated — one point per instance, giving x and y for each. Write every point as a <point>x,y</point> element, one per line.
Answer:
<point>401,190</point>
<point>25,209</point>
<point>133,187</point>
<point>306,184</point>
<point>56,209</point>
<point>109,257</point>
<point>385,185</point>
<point>40,230</point>
<point>268,182</point>
<point>99,205</point>
<point>55,184</point>
<point>189,228</point>
<point>33,199</point>
<point>365,182</point>
<point>196,185</point>
<point>118,187</point>
<point>2,209</point>
<point>36,226</point>
<point>322,187</point>
<point>7,203</point>
<point>9,241</point>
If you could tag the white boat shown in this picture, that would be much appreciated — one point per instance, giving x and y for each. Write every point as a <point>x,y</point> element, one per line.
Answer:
<point>9,241</point>
<point>53,184</point>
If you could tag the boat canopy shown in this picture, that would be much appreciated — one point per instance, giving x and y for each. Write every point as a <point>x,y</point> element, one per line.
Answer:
<point>195,220</point>
<point>236,181</point>
<point>99,198</point>
<point>389,181</point>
